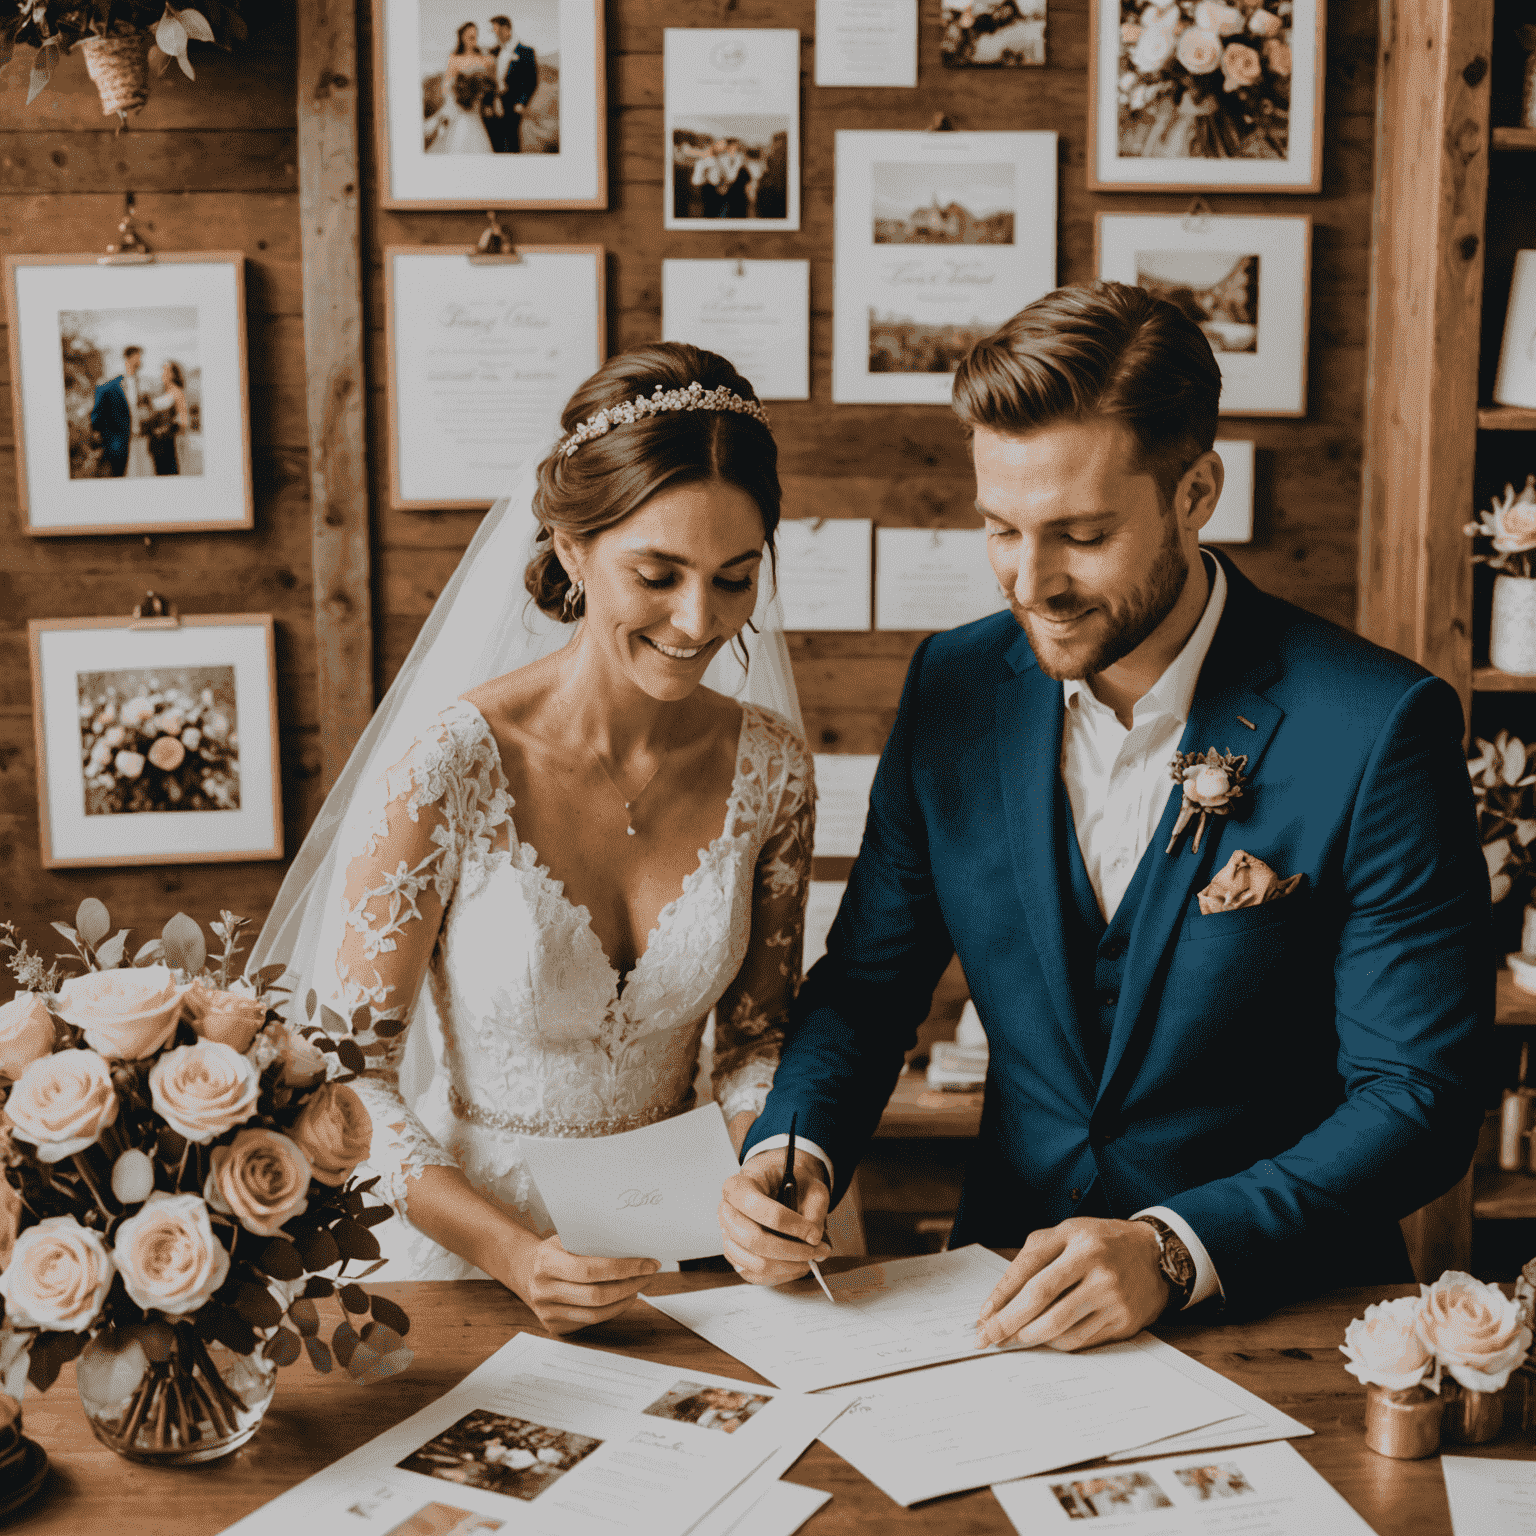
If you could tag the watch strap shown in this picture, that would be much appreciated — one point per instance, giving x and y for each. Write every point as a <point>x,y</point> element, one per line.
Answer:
<point>1175,1262</point>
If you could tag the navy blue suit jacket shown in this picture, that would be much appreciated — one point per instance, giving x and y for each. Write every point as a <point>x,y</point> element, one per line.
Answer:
<point>1291,1078</point>
<point>111,417</point>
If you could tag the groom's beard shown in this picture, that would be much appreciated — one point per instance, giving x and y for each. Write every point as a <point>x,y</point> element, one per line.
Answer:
<point>1118,627</point>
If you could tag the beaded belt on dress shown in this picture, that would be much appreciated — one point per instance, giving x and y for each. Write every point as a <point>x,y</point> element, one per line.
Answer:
<point>550,1125</point>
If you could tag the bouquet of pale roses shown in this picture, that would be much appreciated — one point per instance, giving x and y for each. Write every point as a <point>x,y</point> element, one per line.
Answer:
<point>179,1175</point>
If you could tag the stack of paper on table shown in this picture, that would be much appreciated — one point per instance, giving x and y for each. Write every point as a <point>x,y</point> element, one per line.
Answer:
<point>556,1440</point>
<point>1490,1496</point>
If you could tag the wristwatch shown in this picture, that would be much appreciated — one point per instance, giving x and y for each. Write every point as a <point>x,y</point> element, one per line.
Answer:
<point>1175,1262</point>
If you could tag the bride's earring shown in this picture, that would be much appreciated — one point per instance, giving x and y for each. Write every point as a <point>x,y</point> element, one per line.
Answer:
<point>573,597</point>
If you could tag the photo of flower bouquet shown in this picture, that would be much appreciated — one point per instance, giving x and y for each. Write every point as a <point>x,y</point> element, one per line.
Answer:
<point>179,1188</point>
<point>1201,80</point>
<point>164,740</point>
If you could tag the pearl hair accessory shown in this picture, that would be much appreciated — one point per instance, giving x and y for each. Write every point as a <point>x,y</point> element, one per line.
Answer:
<point>694,398</point>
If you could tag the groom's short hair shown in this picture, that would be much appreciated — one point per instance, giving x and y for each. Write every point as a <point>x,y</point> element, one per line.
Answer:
<point>501,21</point>
<point>1099,349</point>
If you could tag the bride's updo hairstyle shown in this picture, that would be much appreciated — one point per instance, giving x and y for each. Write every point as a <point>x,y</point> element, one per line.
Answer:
<point>611,476</point>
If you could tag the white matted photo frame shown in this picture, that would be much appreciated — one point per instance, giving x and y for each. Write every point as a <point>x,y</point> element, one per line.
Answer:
<point>1246,283</point>
<point>481,358</point>
<point>156,742</point>
<point>1196,96</point>
<point>129,390</point>
<point>495,106</point>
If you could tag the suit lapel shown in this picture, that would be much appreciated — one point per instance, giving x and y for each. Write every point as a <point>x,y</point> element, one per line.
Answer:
<point>1237,665</point>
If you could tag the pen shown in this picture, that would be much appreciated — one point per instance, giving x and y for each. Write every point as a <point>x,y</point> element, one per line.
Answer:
<point>789,1195</point>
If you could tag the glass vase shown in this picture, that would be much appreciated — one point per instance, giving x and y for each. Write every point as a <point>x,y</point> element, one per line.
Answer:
<point>184,1401</point>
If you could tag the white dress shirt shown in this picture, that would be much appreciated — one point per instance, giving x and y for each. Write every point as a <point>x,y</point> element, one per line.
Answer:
<point>504,62</point>
<point>1118,783</point>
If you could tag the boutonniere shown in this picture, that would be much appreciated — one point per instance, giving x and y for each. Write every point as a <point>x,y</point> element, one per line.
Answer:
<point>1211,781</point>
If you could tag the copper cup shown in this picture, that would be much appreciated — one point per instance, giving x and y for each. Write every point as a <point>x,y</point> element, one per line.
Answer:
<point>1471,1418</point>
<point>1404,1425</point>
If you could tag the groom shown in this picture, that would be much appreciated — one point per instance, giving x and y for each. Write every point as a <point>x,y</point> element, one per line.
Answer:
<point>517,78</point>
<point>115,412</point>
<point>1182,1103</point>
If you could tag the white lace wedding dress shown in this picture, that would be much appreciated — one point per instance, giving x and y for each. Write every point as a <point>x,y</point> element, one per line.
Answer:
<point>534,1032</point>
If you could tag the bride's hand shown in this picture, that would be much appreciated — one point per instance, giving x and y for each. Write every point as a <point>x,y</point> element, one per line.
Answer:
<point>768,1243</point>
<point>568,1291</point>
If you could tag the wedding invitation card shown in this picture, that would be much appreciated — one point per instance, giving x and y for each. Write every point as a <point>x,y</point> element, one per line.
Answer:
<point>866,42</point>
<point>824,572</point>
<point>756,313</point>
<point>481,360</point>
<point>1232,521</point>
<point>940,238</point>
<point>732,127</point>
<point>842,802</point>
<point>933,578</point>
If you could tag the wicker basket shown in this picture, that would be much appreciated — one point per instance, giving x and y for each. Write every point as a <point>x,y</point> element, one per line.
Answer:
<point>119,66</point>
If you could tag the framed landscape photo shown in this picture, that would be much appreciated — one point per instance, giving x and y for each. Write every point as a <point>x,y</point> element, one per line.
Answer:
<point>128,385</point>
<point>1245,283</point>
<point>480,361</point>
<point>500,106</point>
<point>156,743</point>
<point>1195,95</point>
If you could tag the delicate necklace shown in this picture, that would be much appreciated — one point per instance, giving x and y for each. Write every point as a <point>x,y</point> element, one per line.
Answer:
<point>629,804</point>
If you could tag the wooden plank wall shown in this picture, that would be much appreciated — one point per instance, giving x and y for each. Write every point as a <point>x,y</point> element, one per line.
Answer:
<point>212,165</point>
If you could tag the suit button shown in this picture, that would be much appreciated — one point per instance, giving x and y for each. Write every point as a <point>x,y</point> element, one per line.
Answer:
<point>1109,999</point>
<point>1077,1195</point>
<point>1101,1136</point>
<point>1113,948</point>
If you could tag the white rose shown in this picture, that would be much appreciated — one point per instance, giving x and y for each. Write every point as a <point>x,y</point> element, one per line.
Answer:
<point>129,764</point>
<point>26,1032</point>
<point>58,1277</point>
<point>1153,49</point>
<point>127,1013</point>
<point>203,1090</point>
<point>1384,1348</point>
<point>1473,1329</point>
<point>62,1103</point>
<point>1223,20</point>
<point>168,1256</point>
<point>136,711</point>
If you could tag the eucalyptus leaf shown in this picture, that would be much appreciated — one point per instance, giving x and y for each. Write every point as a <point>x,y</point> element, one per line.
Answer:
<point>332,1021</point>
<point>309,1004</point>
<point>93,921</point>
<point>385,1366</point>
<point>345,1342</point>
<point>184,940</point>
<point>150,954</point>
<point>283,1348</point>
<point>319,1355</point>
<point>110,955</point>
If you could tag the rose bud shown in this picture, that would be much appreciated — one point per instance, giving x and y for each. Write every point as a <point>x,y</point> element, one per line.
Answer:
<point>133,1177</point>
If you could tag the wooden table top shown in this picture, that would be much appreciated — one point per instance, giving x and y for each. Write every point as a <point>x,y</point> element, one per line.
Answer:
<point>1290,1359</point>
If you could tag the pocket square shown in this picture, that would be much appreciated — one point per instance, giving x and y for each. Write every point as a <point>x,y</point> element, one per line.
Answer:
<point>1245,882</point>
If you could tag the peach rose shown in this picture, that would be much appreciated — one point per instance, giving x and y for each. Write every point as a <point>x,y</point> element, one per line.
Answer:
<point>127,1014</point>
<point>26,1032</point>
<point>1199,51</point>
<point>1383,1347</point>
<point>115,736</point>
<point>1240,67</point>
<point>169,1258</point>
<point>136,711</point>
<point>1264,24</point>
<point>1277,58</point>
<point>1473,1329</point>
<point>1206,785</point>
<point>191,738</point>
<point>58,1277</point>
<point>334,1132</point>
<point>303,1063</point>
<point>129,764</point>
<point>170,722</point>
<point>231,1018</point>
<point>1223,20</point>
<point>62,1103</point>
<point>1153,49</point>
<point>167,753</point>
<point>203,1090</point>
<point>261,1179</point>
<point>1517,526</point>
<point>1129,32</point>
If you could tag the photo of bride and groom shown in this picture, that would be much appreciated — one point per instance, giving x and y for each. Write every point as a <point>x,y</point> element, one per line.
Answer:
<point>491,87</point>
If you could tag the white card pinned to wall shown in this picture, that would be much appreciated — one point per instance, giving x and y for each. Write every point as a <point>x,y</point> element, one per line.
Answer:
<point>842,802</point>
<point>824,572</point>
<point>933,578</point>
<point>756,313</point>
<point>1232,521</point>
<point>866,42</point>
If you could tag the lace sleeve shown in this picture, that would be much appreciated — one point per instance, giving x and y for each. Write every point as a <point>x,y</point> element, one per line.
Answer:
<point>409,839</point>
<point>750,1017</point>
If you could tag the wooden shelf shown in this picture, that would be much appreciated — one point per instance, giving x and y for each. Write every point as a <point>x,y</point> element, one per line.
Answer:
<point>1514,1007</point>
<point>1515,138</point>
<point>916,1111</point>
<point>1501,1196</point>
<point>1491,680</point>
<point>1506,418</point>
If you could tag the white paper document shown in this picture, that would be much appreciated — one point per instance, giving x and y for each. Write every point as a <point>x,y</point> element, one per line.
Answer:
<point>781,1511</point>
<point>825,572</point>
<point>1232,521</point>
<point>888,1317</point>
<point>927,1433</point>
<point>866,42</point>
<point>757,313</point>
<point>842,801</point>
<point>652,1193</point>
<point>933,578</point>
<point>940,237</point>
<point>548,1437</point>
<point>1266,1490</point>
<point>820,913</point>
<point>733,128</point>
<point>1490,1497</point>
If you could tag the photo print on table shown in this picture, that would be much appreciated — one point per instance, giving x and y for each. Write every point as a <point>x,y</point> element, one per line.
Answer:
<point>927,204</point>
<point>1222,1480</point>
<point>1111,1493</point>
<point>133,391</point>
<point>710,1407</point>
<point>500,1454</point>
<point>490,84</point>
<point>1195,93</point>
<point>445,1520</point>
<point>1218,290</point>
<point>992,34</point>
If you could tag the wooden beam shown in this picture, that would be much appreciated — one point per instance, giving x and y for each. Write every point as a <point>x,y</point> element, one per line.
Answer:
<point>335,380</point>
<point>1415,586</point>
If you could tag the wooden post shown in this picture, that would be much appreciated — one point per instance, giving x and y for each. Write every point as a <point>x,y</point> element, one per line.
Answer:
<point>335,381</point>
<point>1426,299</point>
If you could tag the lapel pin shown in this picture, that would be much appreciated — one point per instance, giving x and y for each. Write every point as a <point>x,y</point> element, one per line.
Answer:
<point>1244,720</point>
<point>1211,781</point>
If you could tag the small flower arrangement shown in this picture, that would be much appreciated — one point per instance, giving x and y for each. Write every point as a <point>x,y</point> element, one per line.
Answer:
<point>1211,782</point>
<point>1502,774</point>
<point>1510,527</point>
<point>179,1178</point>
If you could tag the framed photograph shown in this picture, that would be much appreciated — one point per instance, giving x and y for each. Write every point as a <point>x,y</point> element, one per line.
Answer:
<point>992,34</point>
<point>129,390</point>
<point>732,125</point>
<point>1244,281</point>
<point>940,237</point>
<point>156,743</point>
<point>1194,95</point>
<point>480,361</point>
<point>491,108</point>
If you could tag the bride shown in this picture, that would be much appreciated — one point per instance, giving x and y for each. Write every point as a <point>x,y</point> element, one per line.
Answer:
<point>457,128</point>
<point>564,869</point>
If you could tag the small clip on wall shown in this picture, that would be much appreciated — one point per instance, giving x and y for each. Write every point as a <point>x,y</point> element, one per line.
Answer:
<point>495,246</point>
<point>940,124</point>
<point>129,249</point>
<point>1197,217</point>
<point>154,613</point>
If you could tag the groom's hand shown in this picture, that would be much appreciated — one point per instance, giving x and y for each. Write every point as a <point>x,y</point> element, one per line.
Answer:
<point>1088,1281</point>
<point>767,1243</point>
